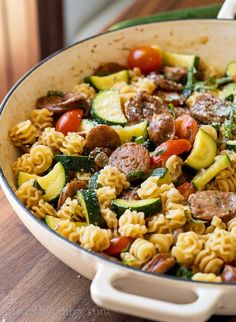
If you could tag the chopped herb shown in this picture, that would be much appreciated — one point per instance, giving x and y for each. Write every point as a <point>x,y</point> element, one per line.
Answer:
<point>184,273</point>
<point>171,108</point>
<point>55,93</point>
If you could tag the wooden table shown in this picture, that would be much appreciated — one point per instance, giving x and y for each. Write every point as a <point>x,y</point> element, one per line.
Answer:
<point>35,285</point>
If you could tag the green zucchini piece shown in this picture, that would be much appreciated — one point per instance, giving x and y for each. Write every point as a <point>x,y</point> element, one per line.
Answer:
<point>106,108</point>
<point>89,202</point>
<point>53,222</point>
<point>23,177</point>
<point>135,175</point>
<point>103,83</point>
<point>231,145</point>
<point>93,181</point>
<point>76,163</point>
<point>210,11</point>
<point>231,69</point>
<point>203,152</point>
<point>147,206</point>
<point>163,174</point>
<point>228,92</point>
<point>127,133</point>
<point>85,126</point>
<point>203,177</point>
<point>187,61</point>
<point>53,182</point>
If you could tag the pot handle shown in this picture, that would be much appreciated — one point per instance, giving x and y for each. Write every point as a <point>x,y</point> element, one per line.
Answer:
<point>104,293</point>
<point>228,10</point>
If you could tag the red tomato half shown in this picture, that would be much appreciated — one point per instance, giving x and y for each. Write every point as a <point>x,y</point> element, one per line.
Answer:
<point>186,127</point>
<point>186,189</point>
<point>118,244</point>
<point>146,58</point>
<point>169,148</point>
<point>69,121</point>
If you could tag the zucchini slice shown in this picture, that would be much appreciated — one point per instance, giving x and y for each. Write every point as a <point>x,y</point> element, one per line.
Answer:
<point>203,152</point>
<point>76,163</point>
<point>85,126</point>
<point>231,145</point>
<point>203,177</point>
<point>93,181</point>
<point>89,202</point>
<point>53,182</point>
<point>228,92</point>
<point>53,222</point>
<point>231,69</point>
<point>107,109</point>
<point>148,206</point>
<point>174,59</point>
<point>127,133</point>
<point>23,177</point>
<point>163,174</point>
<point>103,83</point>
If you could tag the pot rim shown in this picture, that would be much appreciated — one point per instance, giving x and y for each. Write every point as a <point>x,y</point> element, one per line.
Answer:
<point>4,181</point>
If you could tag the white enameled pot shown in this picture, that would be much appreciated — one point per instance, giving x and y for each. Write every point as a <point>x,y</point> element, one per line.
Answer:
<point>114,286</point>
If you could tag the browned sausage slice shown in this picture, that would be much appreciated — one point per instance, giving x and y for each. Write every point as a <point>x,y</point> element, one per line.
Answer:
<point>130,157</point>
<point>164,84</point>
<point>229,274</point>
<point>102,136</point>
<point>70,190</point>
<point>207,204</point>
<point>175,73</point>
<point>161,128</point>
<point>160,263</point>
<point>130,195</point>
<point>143,106</point>
<point>69,101</point>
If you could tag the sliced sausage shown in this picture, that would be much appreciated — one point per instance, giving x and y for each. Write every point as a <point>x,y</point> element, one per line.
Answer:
<point>165,84</point>
<point>130,157</point>
<point>130,195</point>
<point>174,98</point>
<point>143,106</point>
<point>180,111</point>
<point>207,108</point>
<point>207,204</point>
<point>102,136</point>
<point>176,74</point>
<point>160,263</point>
<point>70,190</point>
<point>161,128</point>
<point>101,156</point>
<point>229,274</point>
<point>61,104</point>
<point>109,68</point>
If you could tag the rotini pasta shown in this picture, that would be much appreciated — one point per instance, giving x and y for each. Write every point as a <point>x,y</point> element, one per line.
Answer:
<point>207,261</point>
<point>71,209</point>
<point>28,194</point>
<point>68,230</point>
<point>142,249</point>
<point>162,242</point>
<point>23,133</point>
<point>132,224</point>
<point>43,208</point>
<point>86,89</point>
<point>94,238</point>
<point>42,158</point>
<point>112,177</point>
<point>41,118</point>
<point>73,144</point>
<point>174,165</point>
<point>203,277</point>
<point>158,224</point>
<point>149,188</point>
<point>52,138</point>
<point>105,195</point>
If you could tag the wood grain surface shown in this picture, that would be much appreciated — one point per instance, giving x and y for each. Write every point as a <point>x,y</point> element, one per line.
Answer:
<point>34,285</point>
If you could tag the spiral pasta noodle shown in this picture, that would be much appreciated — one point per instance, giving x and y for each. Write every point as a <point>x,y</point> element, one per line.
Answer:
<point>112,177</point>
<point>216,222</point>
<point>23,163</point>
<point>132,224</point>
<point>149,188</point>
<point>130,260</point>
<point>142,249</point>
<point>68,230</point>
<point>41,118</point>
<point>28,194</point>
<point>162,242</point>
<point>71,209</point>
<point>86,89</point>
<point>158,224</point>
<point>94,238</point>
<point>187,247</point>
<point>111,219</point>
<point>231,225</point>
<point>174,165</point>
<point>23,133</point>
<point>207,261</point>
<point>41,157</point>
<point>43,208</point>
<point>73,144</point>
<point>105,195</point>
<point>52,138</point>
<point>198,228</point>
<point>176,217</point>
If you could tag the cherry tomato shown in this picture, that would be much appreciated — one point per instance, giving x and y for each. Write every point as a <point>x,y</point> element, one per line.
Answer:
<point>234,78</point>
<point>169,148</point>
<point>118,244</point>
<point>186,189</point>
<point>186,127</point>
<point>69,121</point>
<point>146,58</point>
